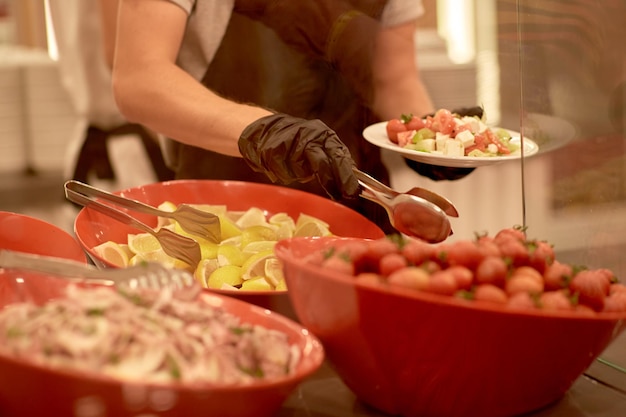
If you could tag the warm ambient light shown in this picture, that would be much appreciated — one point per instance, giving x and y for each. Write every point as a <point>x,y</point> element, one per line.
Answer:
<point>456,26</point>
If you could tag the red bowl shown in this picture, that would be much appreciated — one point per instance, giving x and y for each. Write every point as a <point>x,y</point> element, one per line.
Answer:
<point>420,354</point>
<point>31,389</point>
<point>93,228</point>
<point>19,232</point>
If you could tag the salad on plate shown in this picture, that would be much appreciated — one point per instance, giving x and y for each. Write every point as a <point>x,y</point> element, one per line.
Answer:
<point>451,135</point>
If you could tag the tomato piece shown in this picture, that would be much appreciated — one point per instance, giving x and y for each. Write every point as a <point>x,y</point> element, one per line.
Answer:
<point>393,127</point>
<point>492,138</point>
<point>406,137</point>
<point>415,123</point>
<point>444,122</point>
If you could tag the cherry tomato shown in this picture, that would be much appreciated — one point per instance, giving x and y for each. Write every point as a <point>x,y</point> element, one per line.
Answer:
<point>415,123</point>
<point>393,127</point>
<point>390,263</point>
<point>491,270</point>
<point>557,276</point>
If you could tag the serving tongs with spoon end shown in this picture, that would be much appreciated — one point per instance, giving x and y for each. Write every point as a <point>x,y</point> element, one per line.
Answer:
<point>439,200</point>
<point>410,214</point>
<point>173,244</point>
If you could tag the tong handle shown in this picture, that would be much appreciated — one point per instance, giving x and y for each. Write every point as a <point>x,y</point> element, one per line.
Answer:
<point>89,191</point>
<point>105,209</point>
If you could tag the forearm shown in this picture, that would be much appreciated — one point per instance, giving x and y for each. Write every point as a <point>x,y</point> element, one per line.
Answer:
<point>169,101</point>
<point>150,89</point>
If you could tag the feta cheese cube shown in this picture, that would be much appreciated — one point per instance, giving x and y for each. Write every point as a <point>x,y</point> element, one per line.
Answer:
<point>473,122</point>
<point>440,140</point>
<point>454,148</point>
<point>492,148</point>
<point>466,138</point>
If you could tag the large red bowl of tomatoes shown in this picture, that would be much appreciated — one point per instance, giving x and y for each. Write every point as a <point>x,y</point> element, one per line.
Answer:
<point>490,327</point>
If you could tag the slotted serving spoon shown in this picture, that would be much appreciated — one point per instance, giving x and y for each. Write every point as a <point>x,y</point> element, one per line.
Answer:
<point>192,220</point>
<point>148,275</point>
<point>409,214</point>
<point>173,244</point>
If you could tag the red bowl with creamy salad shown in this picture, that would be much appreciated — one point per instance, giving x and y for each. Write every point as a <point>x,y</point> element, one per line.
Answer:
<point>68,349</point>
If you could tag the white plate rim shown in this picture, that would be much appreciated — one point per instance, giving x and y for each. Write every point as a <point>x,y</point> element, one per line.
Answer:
<point>376,134</point>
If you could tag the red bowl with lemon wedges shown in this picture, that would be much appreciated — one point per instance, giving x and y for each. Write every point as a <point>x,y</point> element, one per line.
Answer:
<point>24,233</point>
<point>96,231</point>
<point>418,353</point>
<point>30,387</point>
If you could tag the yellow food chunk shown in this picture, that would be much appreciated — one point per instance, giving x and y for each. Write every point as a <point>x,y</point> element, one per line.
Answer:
<point>252,217</point>
<point>273,271</point>
<point>229,255</point>
<point>204,270</point>
<point>115,253</point>
<point>229,228</point>
<point>228,274</point>
<point>256,233</point>
<point>312,228</point>
<point>161,257</point>
<point>257,284</point>
<point>143,243</point>
<point>281,286</point>
<point>170,208</point>
<point>254,266</point>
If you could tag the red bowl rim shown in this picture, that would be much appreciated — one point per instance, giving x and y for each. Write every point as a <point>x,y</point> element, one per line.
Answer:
<point>283,252</point>
<point>309,363</point>
<point>78,254</point>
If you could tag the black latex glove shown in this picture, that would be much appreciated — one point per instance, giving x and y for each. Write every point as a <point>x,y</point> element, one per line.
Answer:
<point>436,172</point>
<point>289,149</point>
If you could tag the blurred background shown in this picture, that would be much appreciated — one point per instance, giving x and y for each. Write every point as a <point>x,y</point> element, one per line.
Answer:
<point>548,68</point>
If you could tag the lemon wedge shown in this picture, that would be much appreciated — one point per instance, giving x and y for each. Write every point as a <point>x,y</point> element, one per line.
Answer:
<point>254,216</point>
<point>285,225</point>
<point>143,243</point>
<point>257,284</point>
<point>257,246</point>
<point>273,271</point>
<point>161,257</point>
<point>169,207</point>
<point>114,253</point>
<point>229,228</point>
<point>217,209</point>
<point>228,274</point>
<point>229,255</point>
<point>256,233</point>
<point>312,228</point>
<point>254,266</point>
<point>204,270</point>
<point>281,286</point>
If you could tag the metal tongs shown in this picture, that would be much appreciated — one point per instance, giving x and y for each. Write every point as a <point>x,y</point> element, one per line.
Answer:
<point>173,244</point>
<point>418,213</point>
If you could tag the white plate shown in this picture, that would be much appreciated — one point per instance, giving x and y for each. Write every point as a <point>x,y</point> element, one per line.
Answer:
<point>377,135</point>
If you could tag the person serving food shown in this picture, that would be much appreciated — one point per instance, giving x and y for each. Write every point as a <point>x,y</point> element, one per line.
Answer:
<point>263,90</point>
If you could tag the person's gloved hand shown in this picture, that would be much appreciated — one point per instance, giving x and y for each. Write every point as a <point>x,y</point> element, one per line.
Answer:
<point>436,172</point>
<point>289,149</point>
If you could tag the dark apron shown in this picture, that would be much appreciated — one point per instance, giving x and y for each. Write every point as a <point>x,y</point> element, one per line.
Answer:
<point>253,65</point>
